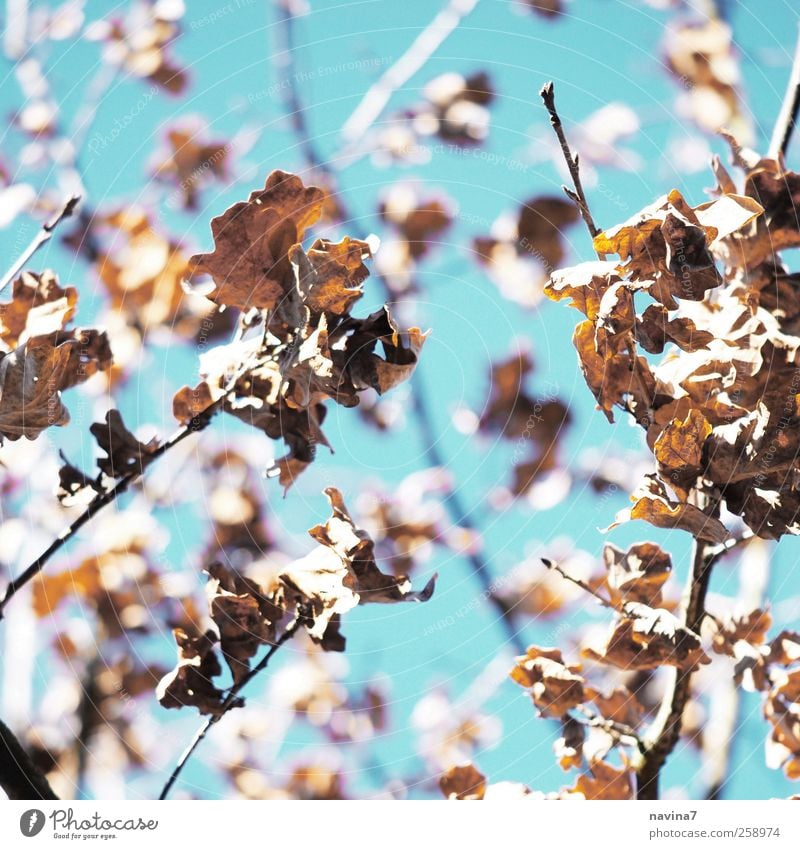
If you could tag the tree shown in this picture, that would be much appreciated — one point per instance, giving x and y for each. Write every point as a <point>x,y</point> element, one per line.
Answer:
<point>289,313</point>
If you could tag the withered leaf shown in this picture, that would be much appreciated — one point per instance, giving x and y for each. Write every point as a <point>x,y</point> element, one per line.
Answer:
<point>751,627</point>
<point>654,329</point>
<point>554,687</point>
<point>191,682</point>
<point>330,274</point>
<point>31,380</point>
<point>190,162</point>
<point>569,746</point>
<point>250,262</point>
<point>243,615</point>
<point>637,574</point>
<point>647,638</point>
<point>125,454</point>
<point>463,782</point>
<point>341,572</point>
<point>585,284</point>
<point>38,307</point>
<point>74,485</point>
<point>653,505</point>
<point>605,782</point>
<point>679,450</point>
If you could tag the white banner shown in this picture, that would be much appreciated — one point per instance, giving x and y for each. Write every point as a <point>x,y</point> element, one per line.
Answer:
<point>410,825</point>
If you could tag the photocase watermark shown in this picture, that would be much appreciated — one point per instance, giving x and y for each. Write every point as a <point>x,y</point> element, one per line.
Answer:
<point>32,822</point>
<point>550,395</point>
<point>314,74</point>
<point>64,825</point>
<point>100,142</point>
<point>175,196</point>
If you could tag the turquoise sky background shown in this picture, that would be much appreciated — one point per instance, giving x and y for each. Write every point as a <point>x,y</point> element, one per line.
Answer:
<point>600,51</point>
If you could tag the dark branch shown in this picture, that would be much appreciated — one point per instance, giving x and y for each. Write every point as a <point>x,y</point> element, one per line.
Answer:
<point>548,95</point>
<point>20,778</point>
<point>102,500</point>
<point>665,731</point>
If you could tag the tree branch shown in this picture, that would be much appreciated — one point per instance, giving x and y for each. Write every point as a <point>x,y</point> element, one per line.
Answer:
<point>578,583</point>
<point>42,237</point>
<point>421,49</point>
<point>664,733</point>
<point>548,95</point>
<point>20,778</point>
<point>787,118</point>
<point>103,499</point>
<point>230,699</point>
<point>719,735</point>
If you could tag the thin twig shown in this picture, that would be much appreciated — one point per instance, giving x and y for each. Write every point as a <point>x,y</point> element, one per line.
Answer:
<point>619,730</point>
<point>227,704</point>
<point>199,423</point>
<point>103,499</point>
<point>457,510</point>
<point>787,118</point>
<point>578,197</point>
<point>42,237</point>
<point>421,49</point>
<point>549,97</point>
<point>20,778</point>
<point>578,583</point>
<point>664,733</point>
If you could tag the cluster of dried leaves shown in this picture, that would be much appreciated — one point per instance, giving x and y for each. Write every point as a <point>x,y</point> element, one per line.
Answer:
<point>718,395</point>
<point>304,346</point>
<point>41,357</point>
<point>313,592</point>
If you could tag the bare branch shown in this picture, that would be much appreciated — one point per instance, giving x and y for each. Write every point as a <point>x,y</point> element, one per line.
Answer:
<point>42,237</point>
<point>548,95</point>
<point>230,699</point>
<point>784,126</point>
<point>664,733</point>
<point>578,583</point>
<point>20,778</point>
<point>421,49</point>
<point>102,500</point>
